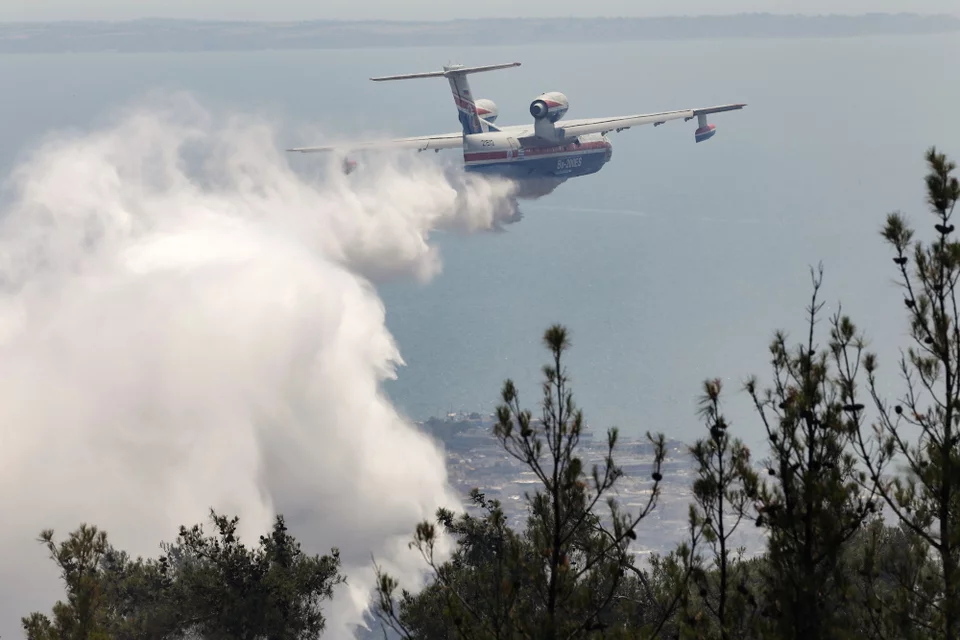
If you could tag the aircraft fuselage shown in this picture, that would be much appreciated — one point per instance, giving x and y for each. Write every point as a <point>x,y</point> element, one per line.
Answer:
<point>503,154</point>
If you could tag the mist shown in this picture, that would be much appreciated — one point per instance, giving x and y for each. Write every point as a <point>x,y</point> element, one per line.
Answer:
<point>187,322</point>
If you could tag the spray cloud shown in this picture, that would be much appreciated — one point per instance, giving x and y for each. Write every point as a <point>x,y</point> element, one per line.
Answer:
<point>185,322</point>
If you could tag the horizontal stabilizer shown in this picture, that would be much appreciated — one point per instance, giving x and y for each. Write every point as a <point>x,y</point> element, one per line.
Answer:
<point>448,71</point>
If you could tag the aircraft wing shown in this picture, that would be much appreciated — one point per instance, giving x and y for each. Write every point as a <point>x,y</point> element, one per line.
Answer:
<point>619,123</point>
<point>420,143</point>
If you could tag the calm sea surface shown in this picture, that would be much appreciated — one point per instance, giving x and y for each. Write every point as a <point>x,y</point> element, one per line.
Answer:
<point>674,264</point>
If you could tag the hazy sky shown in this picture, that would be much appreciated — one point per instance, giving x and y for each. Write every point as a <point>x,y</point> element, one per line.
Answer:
<point>433,9</point>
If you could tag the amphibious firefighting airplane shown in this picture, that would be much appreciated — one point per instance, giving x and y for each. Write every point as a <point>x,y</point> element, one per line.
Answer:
<point>544,150</point>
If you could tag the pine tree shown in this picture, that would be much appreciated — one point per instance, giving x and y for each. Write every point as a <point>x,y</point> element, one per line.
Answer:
<point>814,500</point>
<point>927,500</point>
<point>723,491</point>
<point>82,616</point>
<point>561,577</point>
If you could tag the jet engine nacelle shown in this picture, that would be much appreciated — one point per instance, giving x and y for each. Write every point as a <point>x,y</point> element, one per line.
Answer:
<point>487,109</point>
<point>549,106</point>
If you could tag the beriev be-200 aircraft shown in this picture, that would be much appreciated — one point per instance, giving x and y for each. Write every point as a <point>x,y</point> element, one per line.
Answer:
<point>545,150</point>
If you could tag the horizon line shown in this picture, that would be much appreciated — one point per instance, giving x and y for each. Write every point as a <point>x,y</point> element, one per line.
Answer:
<point>41,21</point>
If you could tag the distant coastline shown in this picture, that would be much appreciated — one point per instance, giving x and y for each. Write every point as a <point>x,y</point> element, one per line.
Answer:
<point>160,35</point>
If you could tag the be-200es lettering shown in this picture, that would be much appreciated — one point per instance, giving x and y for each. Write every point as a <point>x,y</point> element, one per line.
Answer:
<point>569,163</point>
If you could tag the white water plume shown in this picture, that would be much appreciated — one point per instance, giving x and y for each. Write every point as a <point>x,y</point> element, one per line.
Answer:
<point>186,323</point>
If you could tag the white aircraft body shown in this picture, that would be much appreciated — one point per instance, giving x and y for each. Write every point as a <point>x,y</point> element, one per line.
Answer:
<point>547,151</point>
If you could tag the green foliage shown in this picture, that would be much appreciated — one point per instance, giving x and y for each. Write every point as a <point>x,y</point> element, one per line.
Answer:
<point>483,587</point>
<point>813,500</point>
<point>723,490</point>
<point>82,616</point>
<point>566,574</point>
<point>225,590</point>
<point>885,563</point>
<point>209,586</point>
<point>926,499</point>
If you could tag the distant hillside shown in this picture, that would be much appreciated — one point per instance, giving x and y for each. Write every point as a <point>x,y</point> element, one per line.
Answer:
<point>182,35</point>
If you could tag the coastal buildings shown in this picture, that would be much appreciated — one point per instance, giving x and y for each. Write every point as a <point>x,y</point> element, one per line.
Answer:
<point>475,458</point>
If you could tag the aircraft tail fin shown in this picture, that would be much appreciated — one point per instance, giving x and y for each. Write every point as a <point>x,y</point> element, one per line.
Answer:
<point>456,75</point>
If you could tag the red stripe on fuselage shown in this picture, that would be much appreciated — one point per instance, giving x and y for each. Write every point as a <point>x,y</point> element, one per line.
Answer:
<point>485,155</point>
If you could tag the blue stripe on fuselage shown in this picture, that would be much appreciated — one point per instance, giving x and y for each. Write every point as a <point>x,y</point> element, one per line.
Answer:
<point>565,166</point>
